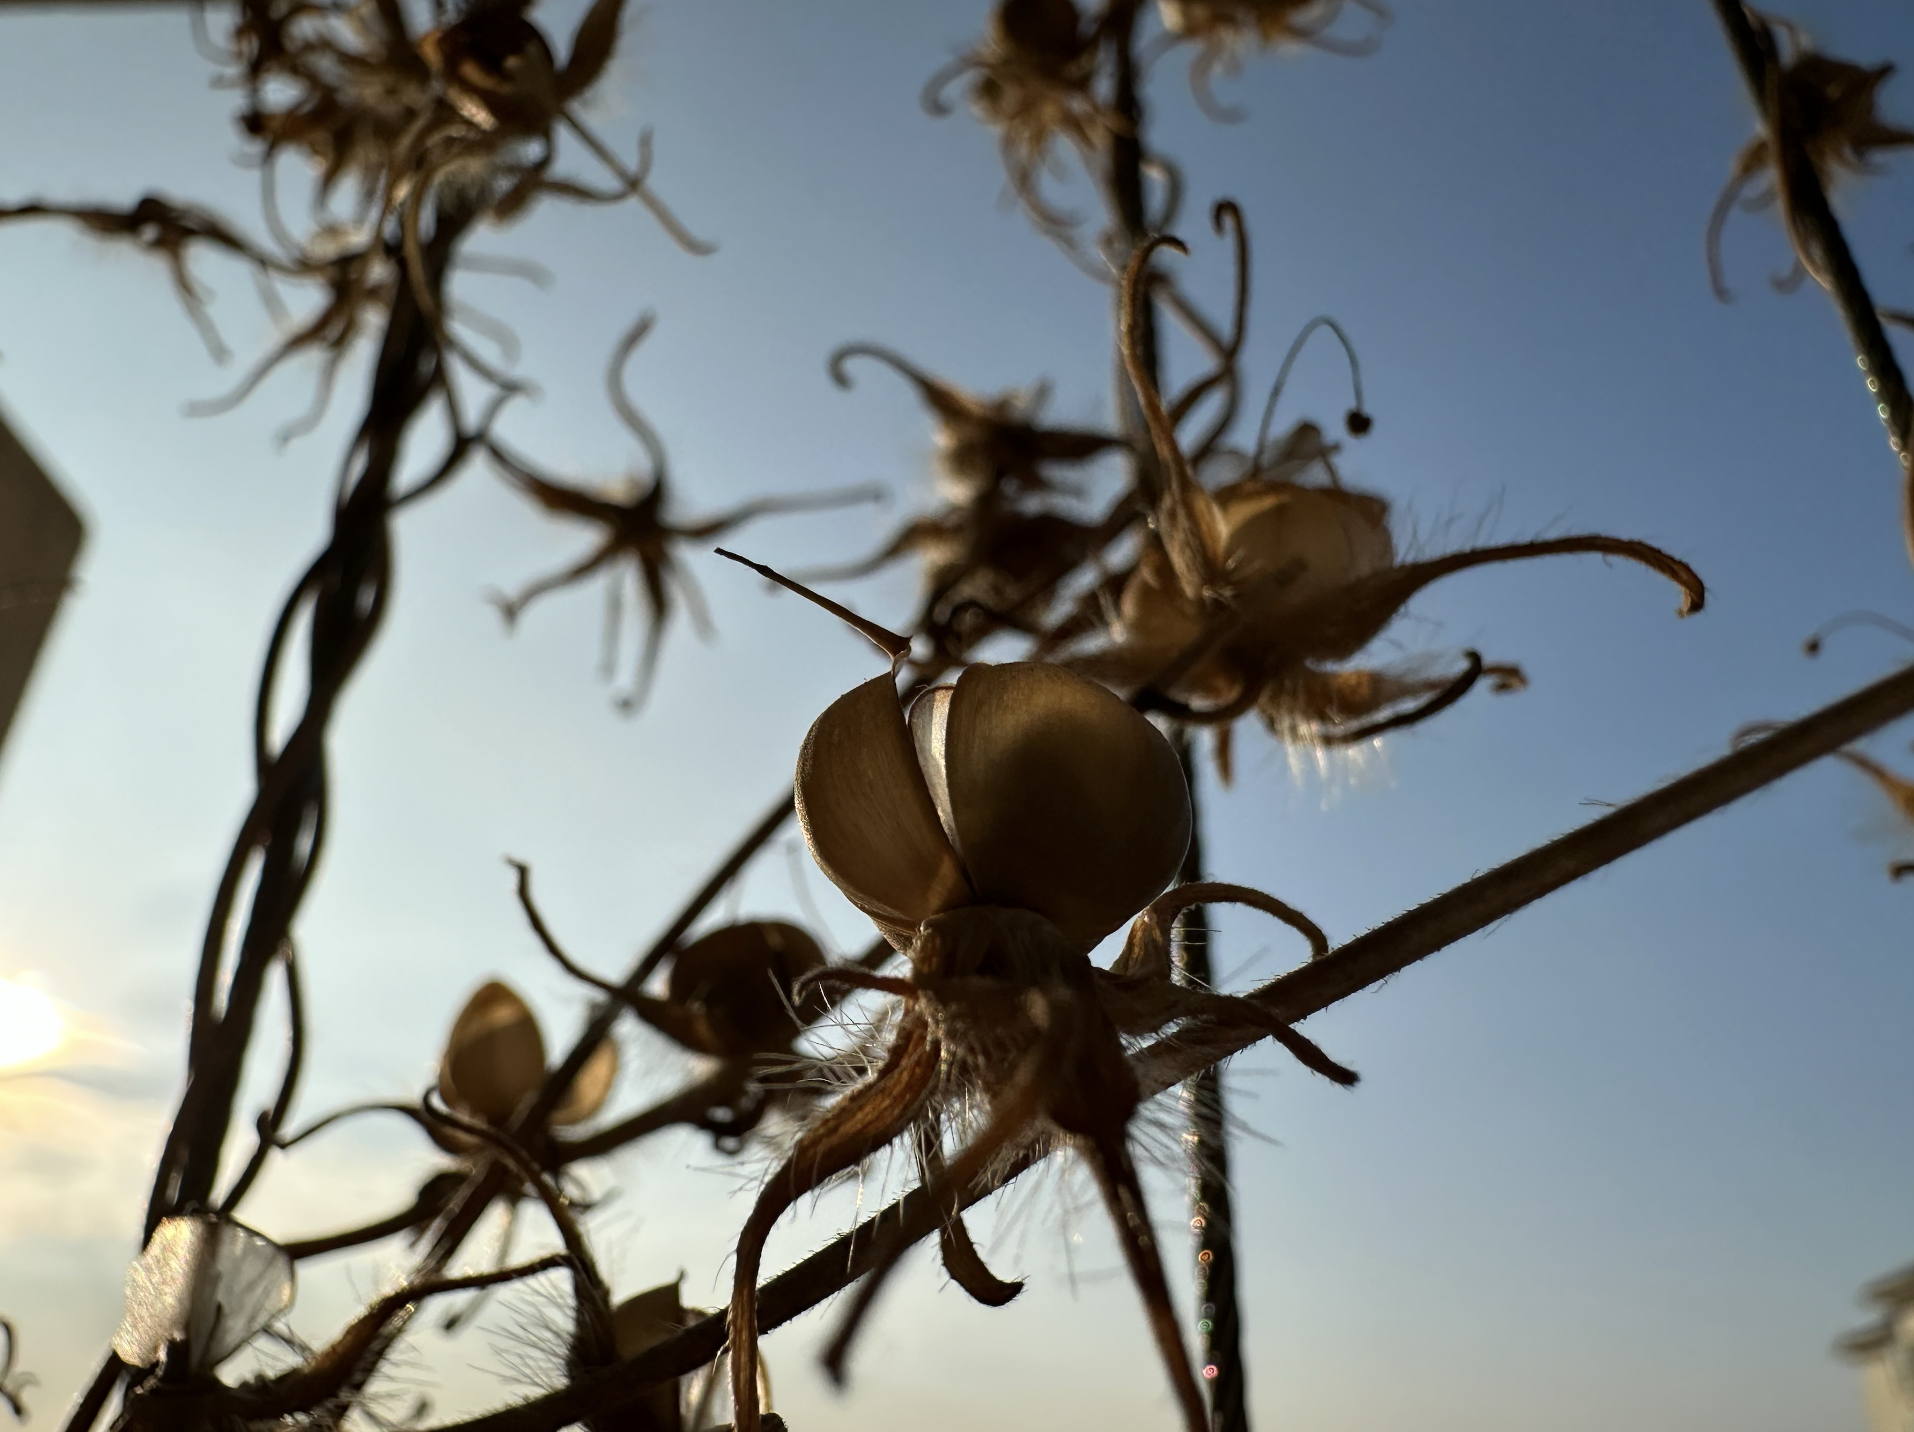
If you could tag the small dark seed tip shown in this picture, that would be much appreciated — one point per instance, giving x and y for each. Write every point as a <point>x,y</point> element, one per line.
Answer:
<point>1358,422</point>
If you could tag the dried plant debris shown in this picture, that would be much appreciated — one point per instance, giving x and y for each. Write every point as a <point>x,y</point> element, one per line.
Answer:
<point>1223,30</point>
<point>13,1385</point>
<point>995,833</point>
<point>1032,79</point>
<point>637,534</point>
<point>996,547</point>
<point>1250,597</point>
<point>1826,107</point>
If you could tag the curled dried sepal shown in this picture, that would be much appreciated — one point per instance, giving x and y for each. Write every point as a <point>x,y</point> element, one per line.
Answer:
<point>985,444</point>
<point>204,1286</point>
<point>1033,80</point>
<point>495,1059</point>
<point>1824,106</point>
<point>1020,785</point>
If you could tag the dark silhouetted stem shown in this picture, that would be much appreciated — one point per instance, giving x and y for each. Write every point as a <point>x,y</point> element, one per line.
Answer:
<point>1806,207</point>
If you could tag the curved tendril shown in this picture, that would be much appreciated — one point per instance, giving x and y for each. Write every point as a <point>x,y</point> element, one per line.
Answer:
<point>1389,590</point>
<point>933,390</point>
<point>1812,646</point>
<point>1422,711</point>
<point>931,97</point>
<point>621,400</point>
<point>1170,174</point>
<point>1725,202</point>
<point>1322,320</point>
<point>1202,74</point>
<point>1174,901</point>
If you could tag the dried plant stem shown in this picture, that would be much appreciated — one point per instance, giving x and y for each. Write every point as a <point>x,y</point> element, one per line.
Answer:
<point>280,839</point>
<point>1365,961</point>
<point>1807,212</point>
<point>1219,1319</point>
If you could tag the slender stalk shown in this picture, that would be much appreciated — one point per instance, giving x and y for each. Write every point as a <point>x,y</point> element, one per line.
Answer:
<point>1806,210</point>
<point>1219,1318</point>
<point>1365,961</point>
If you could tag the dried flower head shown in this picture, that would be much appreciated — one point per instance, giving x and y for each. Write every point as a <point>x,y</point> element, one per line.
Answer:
<point>1033,80</point>
<point>1224,29</point>
<point>995,833</point>
<point>637,533</point>
<point>1827,108</point>
<point>1252,593</point>
<point>993,552</point>
<point>494,1061</point>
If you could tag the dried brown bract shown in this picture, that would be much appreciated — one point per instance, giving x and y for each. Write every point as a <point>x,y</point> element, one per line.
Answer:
<point>996,833</point>
<point>1252,594</point>
<point>991,553</point>
<point>494,1061</point>
<point>1824,106</point>
<point>170,231</point>
<point>636,532</point>
<point>1224,29</point>
<point>1033,80</point>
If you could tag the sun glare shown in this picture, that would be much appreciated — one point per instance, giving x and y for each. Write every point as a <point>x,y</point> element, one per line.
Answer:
<point>30,1024</point>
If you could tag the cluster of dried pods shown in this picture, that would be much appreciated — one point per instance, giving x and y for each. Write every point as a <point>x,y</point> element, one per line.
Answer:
<point>995,828</point>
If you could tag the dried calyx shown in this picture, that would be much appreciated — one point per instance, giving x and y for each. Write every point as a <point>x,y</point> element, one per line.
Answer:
<point>1252,594</point>
<point>637,533</point>
<point>994,551</point>
<point>995,833</point>
<point>1033,80</point>
<point>1224,29</point>
<point>1826,108</point>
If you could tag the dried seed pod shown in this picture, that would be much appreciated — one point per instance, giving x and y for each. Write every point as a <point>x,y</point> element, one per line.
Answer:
<point>1019,785</point>
<point>203,1287</point>
<point>1827,107</point>
<point>495,1059</point>
<point>736,992</point>
<point>1253,589</point>
<point>995,834</point>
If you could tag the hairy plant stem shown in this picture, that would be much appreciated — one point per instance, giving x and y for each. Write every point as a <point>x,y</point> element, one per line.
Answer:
<point>1364,961</point>
<point>1805,209</point>
<point>1218,1313</point>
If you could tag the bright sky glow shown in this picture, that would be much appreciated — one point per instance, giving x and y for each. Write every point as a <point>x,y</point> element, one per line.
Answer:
<point>30,1024</point>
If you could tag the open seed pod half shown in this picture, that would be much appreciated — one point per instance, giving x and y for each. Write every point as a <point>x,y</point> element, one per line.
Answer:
<point>495,1059</point>
<point>1019,785</point>
<point>204,1285</point>
<point>731,993</point>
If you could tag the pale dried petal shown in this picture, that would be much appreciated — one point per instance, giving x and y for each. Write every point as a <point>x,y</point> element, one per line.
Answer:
<point>494,1057</point>
<point>590,1087</point>
<point>204,1281</point>
<point>868,817</point>
<point>1066,802</point>
<point>1290,545</point>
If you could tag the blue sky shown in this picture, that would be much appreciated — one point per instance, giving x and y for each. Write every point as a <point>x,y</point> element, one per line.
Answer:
<point>1623,1160</point>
